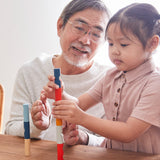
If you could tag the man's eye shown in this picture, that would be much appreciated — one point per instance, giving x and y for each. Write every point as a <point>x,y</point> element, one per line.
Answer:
<point>96,35</point>
<point>79,28</point>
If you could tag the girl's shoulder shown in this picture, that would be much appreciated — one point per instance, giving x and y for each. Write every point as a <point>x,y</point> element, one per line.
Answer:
<point>110,75</point>
<point>112,72</point>
<point>152,82</point>
<point>155,75</point>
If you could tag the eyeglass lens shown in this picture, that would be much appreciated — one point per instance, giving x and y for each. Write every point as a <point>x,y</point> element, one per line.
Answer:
<point>81,28</point>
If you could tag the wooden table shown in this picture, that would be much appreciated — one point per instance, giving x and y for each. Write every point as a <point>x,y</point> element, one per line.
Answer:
<point>12,148</point>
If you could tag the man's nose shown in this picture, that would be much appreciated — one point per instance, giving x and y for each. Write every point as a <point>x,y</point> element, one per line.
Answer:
<point>85,39</point>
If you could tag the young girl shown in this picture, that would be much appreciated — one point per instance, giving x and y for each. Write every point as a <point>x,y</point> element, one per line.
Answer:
<point>130,92</point>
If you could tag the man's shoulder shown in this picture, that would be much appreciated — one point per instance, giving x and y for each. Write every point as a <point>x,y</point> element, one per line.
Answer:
<point>38,64</point>
<point>37,61</point>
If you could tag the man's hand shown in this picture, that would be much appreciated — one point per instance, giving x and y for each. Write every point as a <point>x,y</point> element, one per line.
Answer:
<point>73,135</point>
<point>49,88</point>
<point>40,113</point>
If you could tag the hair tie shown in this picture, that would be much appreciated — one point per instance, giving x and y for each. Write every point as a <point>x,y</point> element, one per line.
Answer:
<point>157,20</point>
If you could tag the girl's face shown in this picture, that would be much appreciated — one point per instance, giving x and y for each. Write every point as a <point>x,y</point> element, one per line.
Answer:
<point>125,51</point>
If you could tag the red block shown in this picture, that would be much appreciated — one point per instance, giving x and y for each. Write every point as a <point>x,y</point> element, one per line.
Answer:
<point>59,151</point>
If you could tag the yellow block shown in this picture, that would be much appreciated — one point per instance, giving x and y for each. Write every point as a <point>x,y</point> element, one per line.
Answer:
<point>58,122</point>
<point>27,147</point>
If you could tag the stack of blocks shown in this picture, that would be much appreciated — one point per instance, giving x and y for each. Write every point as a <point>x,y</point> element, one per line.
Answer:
<point>59,134</point>
<point>26,129</point>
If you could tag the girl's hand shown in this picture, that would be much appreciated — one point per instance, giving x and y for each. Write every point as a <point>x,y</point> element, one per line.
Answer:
<point>68,110</point>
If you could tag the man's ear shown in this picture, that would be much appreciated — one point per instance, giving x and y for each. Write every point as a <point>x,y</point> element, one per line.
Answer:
<point>59,26</point>
<point>153,43</point>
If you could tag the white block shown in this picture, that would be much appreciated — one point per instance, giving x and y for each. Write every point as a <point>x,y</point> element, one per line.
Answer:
<point>59,135</point>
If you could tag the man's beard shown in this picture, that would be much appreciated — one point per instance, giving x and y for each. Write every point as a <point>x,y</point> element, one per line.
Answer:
<point>77,61</point>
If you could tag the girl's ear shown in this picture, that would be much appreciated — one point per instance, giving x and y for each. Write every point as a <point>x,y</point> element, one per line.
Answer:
<point>153,43</point>
<point>59,26</point>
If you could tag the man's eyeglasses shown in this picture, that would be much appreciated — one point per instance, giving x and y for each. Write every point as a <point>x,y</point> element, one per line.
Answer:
<point>81,28</point>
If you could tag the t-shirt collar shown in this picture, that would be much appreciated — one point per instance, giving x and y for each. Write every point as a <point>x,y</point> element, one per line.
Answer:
<point>140,71</point>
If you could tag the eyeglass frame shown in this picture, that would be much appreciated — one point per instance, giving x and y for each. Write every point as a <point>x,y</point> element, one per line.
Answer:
<point>88,31</point>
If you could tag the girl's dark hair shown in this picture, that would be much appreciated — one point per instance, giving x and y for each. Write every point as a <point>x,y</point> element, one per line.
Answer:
<point>141,19</point>
<point>79,5</point>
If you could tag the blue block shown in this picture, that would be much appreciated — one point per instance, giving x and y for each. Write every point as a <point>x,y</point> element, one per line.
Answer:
<point>57,75</point>
<point>26,121</point>
<point>26,130</point>
<point>26,112</point>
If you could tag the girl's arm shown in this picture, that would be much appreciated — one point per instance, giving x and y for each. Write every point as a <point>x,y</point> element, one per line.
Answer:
<point>120,131</point>
<point>85,101</point>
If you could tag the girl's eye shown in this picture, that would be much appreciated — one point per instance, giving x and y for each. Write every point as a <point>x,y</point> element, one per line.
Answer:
<point>124,45</point>
<point>110,44</point>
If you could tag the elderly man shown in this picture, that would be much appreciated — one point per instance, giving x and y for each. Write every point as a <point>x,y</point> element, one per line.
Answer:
<point>81,28</point>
